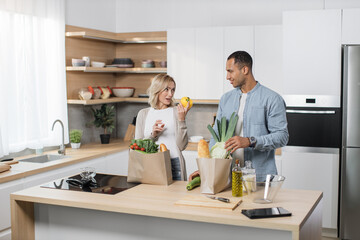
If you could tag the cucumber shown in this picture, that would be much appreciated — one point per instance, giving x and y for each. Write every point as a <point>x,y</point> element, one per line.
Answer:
<point>194,183</point>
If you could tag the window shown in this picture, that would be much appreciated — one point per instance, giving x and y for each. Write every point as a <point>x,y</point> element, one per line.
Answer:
<point>32,74</point>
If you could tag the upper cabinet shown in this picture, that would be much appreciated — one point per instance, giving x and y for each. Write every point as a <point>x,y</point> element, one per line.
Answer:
<point>350,26</point>
<point>197,58</point>
<point>268,63</point>
<point>103,46</point>
<point>312,52</point>
<point>181,60</point>
<point>209,66</point>
<point>236,38</point>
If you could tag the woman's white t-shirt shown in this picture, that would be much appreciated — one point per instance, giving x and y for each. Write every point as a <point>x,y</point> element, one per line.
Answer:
<point>239,130</point>
<point>167,137</point>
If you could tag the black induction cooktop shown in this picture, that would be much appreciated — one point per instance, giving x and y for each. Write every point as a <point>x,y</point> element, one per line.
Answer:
<point>101,183</point>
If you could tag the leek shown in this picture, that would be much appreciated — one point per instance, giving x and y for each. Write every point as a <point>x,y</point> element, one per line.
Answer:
<point>225,132</point>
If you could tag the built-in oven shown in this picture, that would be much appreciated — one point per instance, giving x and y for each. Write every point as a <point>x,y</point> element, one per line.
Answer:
<point>313,121</point>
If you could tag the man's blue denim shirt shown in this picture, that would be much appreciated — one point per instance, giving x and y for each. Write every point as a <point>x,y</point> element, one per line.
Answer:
<point>264,119</point>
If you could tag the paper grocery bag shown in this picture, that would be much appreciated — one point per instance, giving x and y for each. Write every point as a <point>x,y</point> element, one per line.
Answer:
<point>151,168</point>
<point>215,174</point>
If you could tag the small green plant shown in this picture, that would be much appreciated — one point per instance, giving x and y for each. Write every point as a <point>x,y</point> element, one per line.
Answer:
<point>105,118</point>
<point>75,135</point>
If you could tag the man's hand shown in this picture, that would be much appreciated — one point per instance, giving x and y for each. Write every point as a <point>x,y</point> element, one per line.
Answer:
<point>237,142</point>
<point>193,175</point>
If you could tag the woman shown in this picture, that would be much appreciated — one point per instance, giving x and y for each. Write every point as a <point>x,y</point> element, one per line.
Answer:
<point>165,123</point>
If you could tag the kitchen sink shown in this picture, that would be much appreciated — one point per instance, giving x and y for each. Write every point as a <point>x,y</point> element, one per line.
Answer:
<point>44,158</point>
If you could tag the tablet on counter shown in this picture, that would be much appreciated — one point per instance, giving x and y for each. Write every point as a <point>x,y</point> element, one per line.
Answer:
<point>266,212</point>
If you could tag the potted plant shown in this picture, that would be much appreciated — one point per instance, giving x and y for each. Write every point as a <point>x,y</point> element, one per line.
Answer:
<point>105,118</point>
<point>75,138</point>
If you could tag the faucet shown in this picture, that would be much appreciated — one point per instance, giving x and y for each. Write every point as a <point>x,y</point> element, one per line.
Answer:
<point>62,146</point>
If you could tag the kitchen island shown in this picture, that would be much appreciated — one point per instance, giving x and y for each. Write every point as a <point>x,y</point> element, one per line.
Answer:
<point>149,212</point>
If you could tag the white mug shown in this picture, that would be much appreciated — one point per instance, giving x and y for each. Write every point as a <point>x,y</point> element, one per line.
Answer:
<point>87,61</point>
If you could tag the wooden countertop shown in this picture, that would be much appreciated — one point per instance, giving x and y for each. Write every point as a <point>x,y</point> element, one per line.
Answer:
<point>159,201</point>
<point>86,152</point>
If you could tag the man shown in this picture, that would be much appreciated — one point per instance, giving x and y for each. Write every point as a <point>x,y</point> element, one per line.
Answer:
<point>262,124</point>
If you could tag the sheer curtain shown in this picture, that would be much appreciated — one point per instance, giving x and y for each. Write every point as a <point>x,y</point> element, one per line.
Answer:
<point>32,74</point>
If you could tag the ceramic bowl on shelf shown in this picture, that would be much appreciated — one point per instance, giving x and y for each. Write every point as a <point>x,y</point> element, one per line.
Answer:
<point>195,139</point>
<point>147,64</point>
<point>123,91</point>
<point>97,64</point>
<point>84,94</point>
<point>95,91</point>
<point>78,62</point>
<point>163,64</point>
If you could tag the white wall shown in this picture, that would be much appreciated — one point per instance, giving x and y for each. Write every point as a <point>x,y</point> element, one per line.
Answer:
<point>95,14</point>
<point>160,15</point>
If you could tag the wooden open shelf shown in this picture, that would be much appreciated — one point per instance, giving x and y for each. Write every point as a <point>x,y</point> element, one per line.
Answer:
<point>117,70</point>
<point>102,46</point>
<point>119,37</point>
<point>130,99</point>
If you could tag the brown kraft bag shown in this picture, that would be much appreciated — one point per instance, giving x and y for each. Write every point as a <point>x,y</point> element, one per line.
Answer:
<point>215,174</point>
<point>151,168</point>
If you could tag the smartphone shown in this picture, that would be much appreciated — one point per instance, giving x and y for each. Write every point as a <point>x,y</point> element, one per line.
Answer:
<point>266,212</point>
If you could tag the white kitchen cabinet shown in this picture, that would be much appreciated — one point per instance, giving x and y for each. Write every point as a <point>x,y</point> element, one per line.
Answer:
<point>350,26</point>
<point>236,38</point>
<point>181,60</point>
<point>312,52</point>
<point>209,44</point>
<point>278,163</point>
<point>5,190</point>
<point>197,57</point>
<point>314,171</point>
<point>112,164</point>
<point>190,161</point>
<point>268,57</point>
<point>117,163</point>
<point>195,60</point>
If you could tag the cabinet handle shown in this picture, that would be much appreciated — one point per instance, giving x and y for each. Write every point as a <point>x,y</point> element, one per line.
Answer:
<point>309,112</point>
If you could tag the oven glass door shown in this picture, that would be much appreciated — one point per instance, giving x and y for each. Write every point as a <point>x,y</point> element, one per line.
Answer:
<point>314,127</point>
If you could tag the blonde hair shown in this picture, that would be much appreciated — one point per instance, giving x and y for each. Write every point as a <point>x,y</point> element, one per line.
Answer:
<point>158,84</point>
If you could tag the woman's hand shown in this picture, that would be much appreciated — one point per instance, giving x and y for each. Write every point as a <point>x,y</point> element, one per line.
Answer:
<point>182,111</point>
<point>157,128</point>
<point>194,175</point>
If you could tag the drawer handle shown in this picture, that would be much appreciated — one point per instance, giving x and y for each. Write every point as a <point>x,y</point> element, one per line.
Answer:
<point>309,112</point>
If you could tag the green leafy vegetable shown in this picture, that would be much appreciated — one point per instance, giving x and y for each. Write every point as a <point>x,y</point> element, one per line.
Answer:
<point>149,145</point>
<point>225,132</point>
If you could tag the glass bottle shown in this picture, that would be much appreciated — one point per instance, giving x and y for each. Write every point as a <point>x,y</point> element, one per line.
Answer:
<point>249,177</point>
<point>237,185</point>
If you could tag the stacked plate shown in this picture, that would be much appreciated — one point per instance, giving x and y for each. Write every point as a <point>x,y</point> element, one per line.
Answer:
<point>122,63</point>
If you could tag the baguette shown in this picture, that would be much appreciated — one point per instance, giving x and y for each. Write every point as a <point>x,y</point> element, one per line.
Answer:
<point>203,149</point>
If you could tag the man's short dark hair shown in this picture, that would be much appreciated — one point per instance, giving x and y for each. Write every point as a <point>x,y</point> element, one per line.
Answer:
<point>241,58</point>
